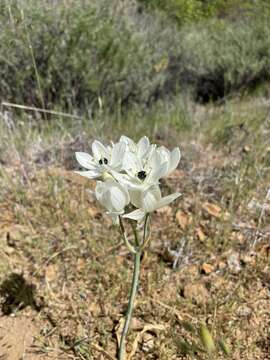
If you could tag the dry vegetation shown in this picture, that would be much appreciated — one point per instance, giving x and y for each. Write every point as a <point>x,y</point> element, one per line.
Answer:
<point>65,272</point>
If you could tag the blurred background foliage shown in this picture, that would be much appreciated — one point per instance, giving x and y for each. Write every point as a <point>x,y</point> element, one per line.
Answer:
<point>86,55</point>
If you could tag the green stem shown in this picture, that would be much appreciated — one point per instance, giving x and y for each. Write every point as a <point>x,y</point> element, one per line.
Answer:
<point>145,227</point>
<point>135,232</point>
<point>128,244</point>
<point>134,286</point>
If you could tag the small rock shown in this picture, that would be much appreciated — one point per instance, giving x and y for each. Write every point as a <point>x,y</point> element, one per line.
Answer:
<point>136,324</point>
<point>246,149</point>
<point>147,342</point>
<point>244,311</point>
<point>233,262</point>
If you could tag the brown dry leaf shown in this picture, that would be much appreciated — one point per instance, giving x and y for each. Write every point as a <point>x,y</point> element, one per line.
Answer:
<point>212,209</point>
<point>94,309</point>
<point>51,272</point>
<point>265,250</point>
<point>249,258</point>
<point>81,263</point>
<point>166,210</point>
<point>119,329</point>
<point>201,235</point>
<point>183,219</point>
<point>94,213</point>
<point>207,268</point>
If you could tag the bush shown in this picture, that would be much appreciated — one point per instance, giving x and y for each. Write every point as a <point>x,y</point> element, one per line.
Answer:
<point>193,11</point>
<point>86,55</point>
<point>112,55</point>
<point>222,58</point>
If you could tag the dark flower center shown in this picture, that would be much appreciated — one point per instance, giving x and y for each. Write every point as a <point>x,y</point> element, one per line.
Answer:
<point>103,161</point>
<point>141,175</point>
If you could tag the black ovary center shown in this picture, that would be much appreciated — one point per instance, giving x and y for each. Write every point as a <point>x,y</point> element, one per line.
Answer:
<point>103,161</point>
<point>141,175</point>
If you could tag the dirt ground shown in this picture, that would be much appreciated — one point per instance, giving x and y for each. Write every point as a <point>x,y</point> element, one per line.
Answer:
<point>65,272</point>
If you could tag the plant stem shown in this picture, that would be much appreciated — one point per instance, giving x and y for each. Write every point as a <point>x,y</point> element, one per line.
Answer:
<point>145,227</point>
<point>127,243</point>
<point>134,286</point>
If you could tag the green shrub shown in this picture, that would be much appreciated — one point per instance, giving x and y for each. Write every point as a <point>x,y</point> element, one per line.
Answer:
<point>86,55</point>
<point>192,11</point>
<point>111,55</point>
<point>223,58</point>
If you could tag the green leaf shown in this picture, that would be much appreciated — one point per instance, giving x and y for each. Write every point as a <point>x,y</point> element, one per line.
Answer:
<point>207,339</point>
<point>189,327</point>
<point>224,347</point>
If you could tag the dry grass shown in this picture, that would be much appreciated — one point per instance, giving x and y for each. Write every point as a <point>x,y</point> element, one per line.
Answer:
<point>71,271</point>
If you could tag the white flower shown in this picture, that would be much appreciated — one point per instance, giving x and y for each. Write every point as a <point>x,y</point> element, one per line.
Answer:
<point>113,196</point>
<point>104,159</point>
<point>140,149</point>
<point>170,158</point>
<point>142,172</point>
<point>147,201</point>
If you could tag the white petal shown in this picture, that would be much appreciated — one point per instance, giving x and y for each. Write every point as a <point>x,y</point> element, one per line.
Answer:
<point>136,197</point>
<point>99,190</point>
<point>143,146</point>
<point>164,153</point>
<point>150,198</point>
<point>85,160</point>
<point>118,198</point>
<point>105,200</point>
<point>90,174</point>
<point>156,174</point>
<point>117,156</point>
<point>174,159</point>
<point>123,179</point>
<point>99,150</point>
<point>154,160</point>
<point>112,196</point>
<point>137,215</point>
<point>126,140</point>
<point>131,162</point>
<point>167,200</point>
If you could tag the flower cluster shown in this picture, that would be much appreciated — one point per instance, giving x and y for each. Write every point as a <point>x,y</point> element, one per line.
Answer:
<point>129,173</point>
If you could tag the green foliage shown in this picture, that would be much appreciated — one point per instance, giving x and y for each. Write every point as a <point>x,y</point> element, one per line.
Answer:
<point>85,54</point>
<point>190,11</point>
<point>104,56</point>
<point>222,58</point>
<point>200,343</point>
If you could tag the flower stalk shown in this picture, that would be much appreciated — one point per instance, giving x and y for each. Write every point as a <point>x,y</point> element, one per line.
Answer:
<point>128,175</point>
<point>133,291</point>
<point>137,253</point>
